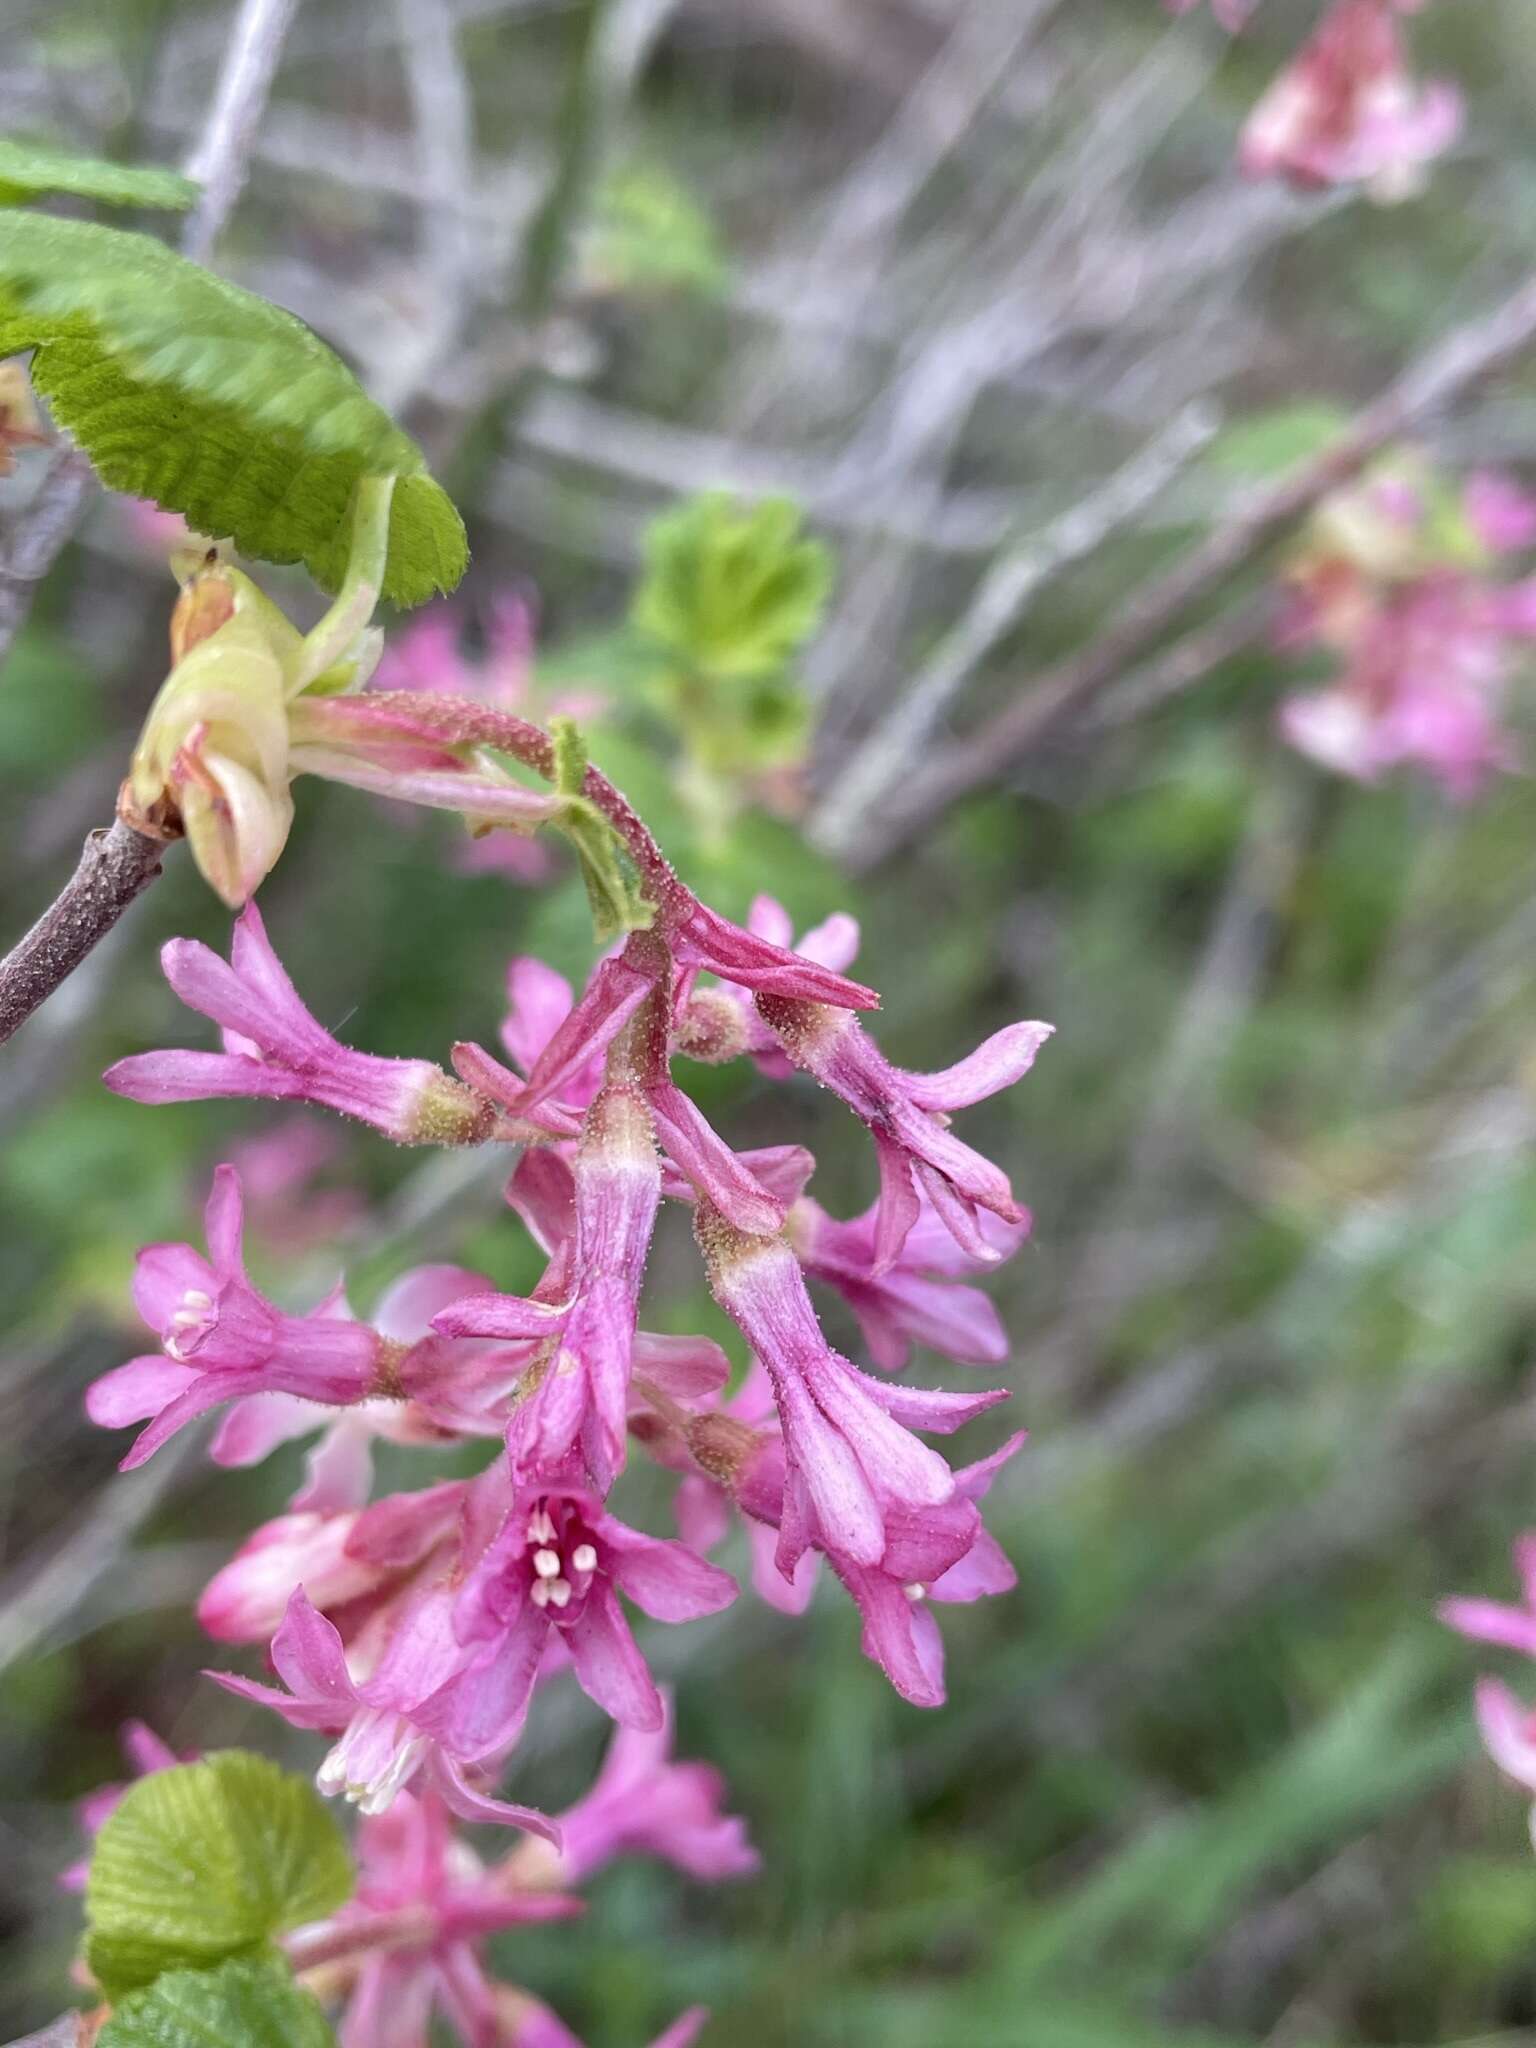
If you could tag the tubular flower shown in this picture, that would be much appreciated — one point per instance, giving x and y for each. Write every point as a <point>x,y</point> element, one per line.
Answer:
<point>851,1463</point>
<point>424,1905</point>
<point>643,1804</point>
<point>1348,111</point>
<point>390,1724</point>
<point>574,1397</point>
<point>900,1633</point>
<point>275,1049</point>
<point>555,1567</point>
<point>908,1117</point>
<point>220,1339</point>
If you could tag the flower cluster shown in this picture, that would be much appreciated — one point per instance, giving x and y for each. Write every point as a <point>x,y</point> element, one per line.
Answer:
<point>414,1629</point>
<point>1402,581</point>
<point>1347,109</point>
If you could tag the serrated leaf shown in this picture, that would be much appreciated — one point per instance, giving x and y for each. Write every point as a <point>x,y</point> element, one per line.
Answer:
<point>31,170</point>
<point>206,1861</point>
<point>732,591</point>
<point>185,389</point>
<point>250,2004</point>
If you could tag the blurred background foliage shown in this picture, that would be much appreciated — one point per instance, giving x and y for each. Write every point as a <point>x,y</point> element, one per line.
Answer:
<point>932,272</point>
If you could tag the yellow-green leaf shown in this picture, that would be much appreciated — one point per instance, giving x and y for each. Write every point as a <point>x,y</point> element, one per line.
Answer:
<point>183,388</point>
<point>205,1861</point>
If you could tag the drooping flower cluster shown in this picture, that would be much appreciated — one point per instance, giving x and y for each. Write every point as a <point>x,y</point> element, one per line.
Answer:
<point>414,1630</point>
<point>1347,109</point>
<point>1403,581</point>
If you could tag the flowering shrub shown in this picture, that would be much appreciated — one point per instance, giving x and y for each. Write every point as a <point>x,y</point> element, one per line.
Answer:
<point>413,1629</point>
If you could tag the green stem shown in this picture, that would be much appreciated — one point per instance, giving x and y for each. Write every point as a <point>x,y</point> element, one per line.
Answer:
<point>332,639</point>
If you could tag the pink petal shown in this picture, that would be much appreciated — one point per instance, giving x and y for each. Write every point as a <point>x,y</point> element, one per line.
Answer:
<point>307,1656</point>
<point>221,1223</point>
<point>684,2030</point>
<point>541,1001</point>
<point>322,1715</point>
<point>704,1159</point>
<point>686,1368</point>
<point>502,1315</point>
<point>1004,1058</point>
<point>609,1666</point>
<point>142,1387</point>
<point>405,1310</point>
<point>1486,1621</point>
<point>469,1804</point>
<point>665,1579</point>
<point>1507,1731</point>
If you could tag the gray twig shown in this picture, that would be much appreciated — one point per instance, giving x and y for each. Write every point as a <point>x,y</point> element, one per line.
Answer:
<point>1001,600</point>
<point>1468,354</point>
<point>116,866</point>
<point>222,156</point>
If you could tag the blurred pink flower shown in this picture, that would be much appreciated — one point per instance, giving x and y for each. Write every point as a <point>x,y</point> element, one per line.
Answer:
<point>146,1754</point>
<point>644,1804</point>
<point>1347,110</point>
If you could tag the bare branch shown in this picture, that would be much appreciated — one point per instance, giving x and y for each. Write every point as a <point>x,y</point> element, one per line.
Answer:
<point>1466,355</point>
<point>116,866</point>
<point>1001,600</point>
<point>222,156</point>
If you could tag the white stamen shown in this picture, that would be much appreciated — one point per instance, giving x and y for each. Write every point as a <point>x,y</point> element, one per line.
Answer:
<point>538,1592</point>
<point>584,1558</point>
<point>540,1528</point>
<point>916,1591</point>
<point>547,1563</point>
<point>559,1592</point>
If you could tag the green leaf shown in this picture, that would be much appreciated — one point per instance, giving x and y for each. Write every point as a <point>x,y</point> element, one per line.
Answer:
<point>185,389</point>
<point>30,170</point>
<point>206,1861</point>
<point>1269,443</point>
<point>249,2004</point>
<point>648,231</point>
<point>733,592</point>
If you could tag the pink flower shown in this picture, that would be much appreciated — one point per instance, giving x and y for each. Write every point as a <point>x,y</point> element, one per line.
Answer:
<point>574,1397</point>
<point>278,1169</point>
<point>913,1301</point>
<point>274,1048</point>
<point>720,1023</point>
<point>221,1339</point>
<point>424,1905</point>
<point>246,1600</point>
<point>1500,513</point>
<point>644,1804</point>
<point>1423,684</point>
<point>1347,111</point>
<point>363,739</point>
<point>390,1724</point>
<point>908,1116</point>
<point>1489,1621</point>
<point>900,1633</point>
<point>437,1390</point>
<point>1508,1729</point>
<point>853,1469</point>
<point>146,1754</point>
<point>555,1567</point>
